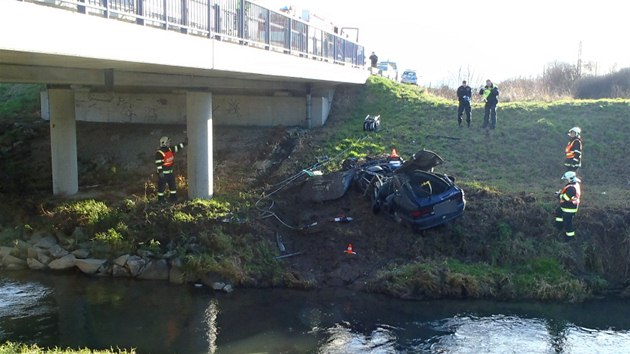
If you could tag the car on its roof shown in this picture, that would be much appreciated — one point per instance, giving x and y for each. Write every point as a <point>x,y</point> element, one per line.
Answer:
<point>409,77</point>
<point>410,191</point>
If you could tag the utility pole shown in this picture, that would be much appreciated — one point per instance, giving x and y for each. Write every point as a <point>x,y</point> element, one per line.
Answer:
<point>579,61</point>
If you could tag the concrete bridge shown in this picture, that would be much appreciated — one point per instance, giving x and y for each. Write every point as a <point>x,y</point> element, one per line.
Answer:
<point>193,62</point>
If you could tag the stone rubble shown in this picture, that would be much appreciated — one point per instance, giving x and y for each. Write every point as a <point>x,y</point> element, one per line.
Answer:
<point>42,252</point>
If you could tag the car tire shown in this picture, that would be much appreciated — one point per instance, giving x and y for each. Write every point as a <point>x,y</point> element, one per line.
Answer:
<point>399,220</point>
<point>397,217</point>
<point>374,189</point>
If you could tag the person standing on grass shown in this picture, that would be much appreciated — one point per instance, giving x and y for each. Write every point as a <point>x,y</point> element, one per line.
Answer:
<point>164,162</point>
<point>490,95</point>
<point>569,202</point>
<point>573,150</point>
<point>464,93</point>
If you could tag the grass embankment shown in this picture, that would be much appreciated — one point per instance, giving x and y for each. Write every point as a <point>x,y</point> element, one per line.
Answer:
<point>503,247</point>
<point>525,152</point>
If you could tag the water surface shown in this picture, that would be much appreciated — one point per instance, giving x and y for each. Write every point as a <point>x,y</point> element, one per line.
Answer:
<point>73,310</point>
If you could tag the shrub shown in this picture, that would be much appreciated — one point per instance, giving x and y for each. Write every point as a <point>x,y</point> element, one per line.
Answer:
<point>614,85</point>
<point>84,213</point>
<point>110,242</point>
<point>19,101</point>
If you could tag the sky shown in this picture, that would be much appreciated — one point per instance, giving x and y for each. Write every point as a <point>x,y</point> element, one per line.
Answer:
<point>446,41</point>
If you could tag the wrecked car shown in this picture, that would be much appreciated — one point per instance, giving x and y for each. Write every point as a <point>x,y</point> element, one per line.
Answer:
<point>410,191</point>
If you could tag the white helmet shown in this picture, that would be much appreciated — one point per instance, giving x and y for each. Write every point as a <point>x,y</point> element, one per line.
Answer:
<point>576,130</point>
<point>164,141</point>
<point>570,176</point>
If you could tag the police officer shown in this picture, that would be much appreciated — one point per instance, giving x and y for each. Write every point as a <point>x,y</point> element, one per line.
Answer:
<point>165,160</point>
<point>569,202</point>
<point>464,93</point>
<point>490,95</point>
<point>573,150</point>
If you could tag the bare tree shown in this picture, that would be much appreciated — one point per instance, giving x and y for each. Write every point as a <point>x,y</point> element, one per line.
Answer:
<point>559,77</point>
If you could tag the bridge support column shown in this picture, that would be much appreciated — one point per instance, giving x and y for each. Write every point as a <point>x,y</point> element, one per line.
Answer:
<point>199,130</point>
<point>63,142</point>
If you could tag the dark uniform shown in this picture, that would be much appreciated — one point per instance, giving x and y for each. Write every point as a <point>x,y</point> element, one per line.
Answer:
<point>373,60</point>
<point>464,93</point>
<point>165,161</point>
<point>573,154</point>
<point>490,95</point>
<point>569,203</point>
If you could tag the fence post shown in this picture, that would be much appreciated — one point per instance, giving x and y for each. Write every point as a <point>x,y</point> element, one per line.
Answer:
<point>140,13</point>
<point>81,8</point>
<point>268,29</point>
<point>217,21</point>
<point>306,40</point>
<point>165,7</point>
<point>184,25</point>
<point>287,39</point>
<point>106,3</point>
<point>241,21</point>
<point>209,19</point>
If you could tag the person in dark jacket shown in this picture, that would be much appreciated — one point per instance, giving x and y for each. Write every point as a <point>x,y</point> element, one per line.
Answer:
<point>373,60</point>
<point>490,95</point>
<point>165,161</point>
<point>569,198</point>
<point>464,93</point>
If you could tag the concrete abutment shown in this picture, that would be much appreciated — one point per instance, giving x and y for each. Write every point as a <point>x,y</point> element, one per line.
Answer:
<point>198,110</point>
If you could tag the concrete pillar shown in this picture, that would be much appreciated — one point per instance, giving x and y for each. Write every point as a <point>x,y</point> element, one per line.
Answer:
<point>63,142</point>
<point>199,130</point>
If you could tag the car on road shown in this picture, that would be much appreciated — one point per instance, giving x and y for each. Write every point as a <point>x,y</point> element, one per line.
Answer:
<point>410,191</point>
<point>386,69</point>
<point>409,77</point>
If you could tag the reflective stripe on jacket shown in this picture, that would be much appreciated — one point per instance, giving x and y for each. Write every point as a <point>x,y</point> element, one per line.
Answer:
<point>165,159</point>
<point>573,150</point>
<point>570,197</point>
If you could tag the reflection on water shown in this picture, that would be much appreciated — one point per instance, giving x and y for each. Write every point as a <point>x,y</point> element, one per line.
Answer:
<point>72,310</point>
<point>19,299</point>
<point>342,339</point>
<point>212,313</point>
<point>500,334</point>
<point>28,311</point>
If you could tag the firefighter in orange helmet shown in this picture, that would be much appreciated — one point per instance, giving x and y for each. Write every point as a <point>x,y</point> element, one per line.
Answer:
<point>165,161</point>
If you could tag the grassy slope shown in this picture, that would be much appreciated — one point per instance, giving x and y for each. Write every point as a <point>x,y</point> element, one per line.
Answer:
<point>525,153</point>
<point>509,175</point>
<point>505,236</point>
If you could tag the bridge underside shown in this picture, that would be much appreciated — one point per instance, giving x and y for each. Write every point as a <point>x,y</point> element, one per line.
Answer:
<point>102,70</point>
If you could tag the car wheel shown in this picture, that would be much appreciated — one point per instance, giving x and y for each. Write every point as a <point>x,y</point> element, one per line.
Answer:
<point>397,217</point>
<point>374,189</point>
<point>399,220</point>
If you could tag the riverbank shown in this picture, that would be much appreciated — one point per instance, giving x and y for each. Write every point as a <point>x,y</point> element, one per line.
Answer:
<point>504,247</point>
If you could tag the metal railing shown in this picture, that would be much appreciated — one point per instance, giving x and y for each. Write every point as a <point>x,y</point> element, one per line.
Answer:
<point>238,21</point>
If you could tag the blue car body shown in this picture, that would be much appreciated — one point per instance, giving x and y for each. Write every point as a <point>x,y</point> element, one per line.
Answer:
<point>413,194</point>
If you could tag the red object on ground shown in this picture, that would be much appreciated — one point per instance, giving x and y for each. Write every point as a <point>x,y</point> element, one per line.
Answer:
<point>349,249</point>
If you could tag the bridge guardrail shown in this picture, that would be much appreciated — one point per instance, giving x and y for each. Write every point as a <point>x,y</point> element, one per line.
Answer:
<point>238,21</point>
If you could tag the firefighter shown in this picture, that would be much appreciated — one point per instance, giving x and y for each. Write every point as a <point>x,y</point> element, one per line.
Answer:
<point>573,150</point>
<point>569,197</point>
<point>165,160</point>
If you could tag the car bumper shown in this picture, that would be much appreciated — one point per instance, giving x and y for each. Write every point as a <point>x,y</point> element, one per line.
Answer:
<point>431,221</point>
